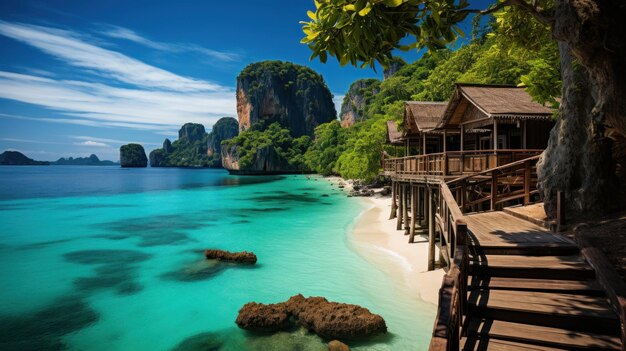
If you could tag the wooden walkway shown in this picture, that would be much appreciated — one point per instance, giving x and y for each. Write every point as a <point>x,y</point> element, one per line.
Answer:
<point>530,289</point>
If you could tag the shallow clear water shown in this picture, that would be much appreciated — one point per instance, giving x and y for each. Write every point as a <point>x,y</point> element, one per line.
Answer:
<point>103,258</point>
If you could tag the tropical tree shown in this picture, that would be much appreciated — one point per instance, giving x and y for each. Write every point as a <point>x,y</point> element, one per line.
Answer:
<point>591,37</point>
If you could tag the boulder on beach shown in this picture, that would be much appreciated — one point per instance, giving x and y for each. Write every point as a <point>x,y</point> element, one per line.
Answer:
<point>329,320</point>
<point>223,255</point>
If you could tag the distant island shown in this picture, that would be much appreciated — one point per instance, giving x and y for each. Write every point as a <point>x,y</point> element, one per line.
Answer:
<point>92,160</point>
<point>16,158</point>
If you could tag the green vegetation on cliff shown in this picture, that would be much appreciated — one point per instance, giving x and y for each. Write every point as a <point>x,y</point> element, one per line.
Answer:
<point>273,139</point>
<point>133,155</point>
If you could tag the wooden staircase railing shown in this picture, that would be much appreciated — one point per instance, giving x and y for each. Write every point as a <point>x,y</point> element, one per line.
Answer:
<point>448,327</point>
<point>498,186</point>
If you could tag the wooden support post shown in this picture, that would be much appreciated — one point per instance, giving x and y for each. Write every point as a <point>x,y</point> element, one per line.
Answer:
<point>405,206</point>
<point>495,136</point>
<point>413,212</point>
<point>524,135</point>
<point>420,205</point>
<point>431,228</point>
<point>462,136</point>
<point>560,210</point>
<point>527,175</point>
<point>445,140</point>
<point>494,190</point>
<point>394,206</point>
<point>424,137</point>
<point>400,207</point>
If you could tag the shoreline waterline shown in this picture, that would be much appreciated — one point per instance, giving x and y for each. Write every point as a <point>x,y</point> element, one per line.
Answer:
<point>374,237</point>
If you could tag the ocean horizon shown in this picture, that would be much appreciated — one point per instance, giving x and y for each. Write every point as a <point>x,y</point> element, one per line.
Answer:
<point>105,258</point>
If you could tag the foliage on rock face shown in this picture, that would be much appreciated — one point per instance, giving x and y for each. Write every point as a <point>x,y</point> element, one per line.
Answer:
<point>291,150</point>
<point>191,148</point>
<point>133,155</point>
<point>328,145</point>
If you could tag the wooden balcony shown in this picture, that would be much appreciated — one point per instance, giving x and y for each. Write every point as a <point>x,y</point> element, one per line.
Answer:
<point>451,164</point>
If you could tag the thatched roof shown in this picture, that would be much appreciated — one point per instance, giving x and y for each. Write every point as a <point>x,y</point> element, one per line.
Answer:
<point>393,135</point>
<point>495,101</point>
<point>420,116</point>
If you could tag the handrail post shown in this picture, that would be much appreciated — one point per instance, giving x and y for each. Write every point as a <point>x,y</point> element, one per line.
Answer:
<point>444,165</point>
<point>560,210</point>
<point>527,175</point>
<point>494,189</point>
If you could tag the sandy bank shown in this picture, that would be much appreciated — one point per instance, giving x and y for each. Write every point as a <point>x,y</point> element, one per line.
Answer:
<point>375,238</point>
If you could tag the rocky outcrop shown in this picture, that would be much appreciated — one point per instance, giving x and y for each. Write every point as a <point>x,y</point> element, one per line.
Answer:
<point>274,91</point>
<point>225,128</point>
<point>329,320</point>
<point>238,257</point>
<point>133,155</point>
<point>357,98</point>
<point>394,66</point>
<point>195,147</point>
<point>260,317</point>
<point>92,160</point>
<point>15,158</point>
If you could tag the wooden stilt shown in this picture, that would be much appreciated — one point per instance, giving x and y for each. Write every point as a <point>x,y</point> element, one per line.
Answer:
<point>405,207</point>
<point>429,212</point>
<point>394,205</point>
<point>400,207</point>
<point>413,212</point>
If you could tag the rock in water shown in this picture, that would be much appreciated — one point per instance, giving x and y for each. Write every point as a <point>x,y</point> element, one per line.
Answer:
<point>133,155</point>
<point>260,317</point>
<point>329,320</point>
<point>359,95</point>
<point>273,91</point>
<point>337,345</point>
<point>239,257</point>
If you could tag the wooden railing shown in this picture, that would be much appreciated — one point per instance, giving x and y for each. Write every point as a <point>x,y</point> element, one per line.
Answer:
<point>452,163</point>
<point>499,186</point>
<point>448,327</point>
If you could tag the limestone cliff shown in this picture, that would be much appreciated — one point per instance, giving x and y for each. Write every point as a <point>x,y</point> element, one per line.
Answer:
<point>225,128</point>
<point>275,91</point>
<point>195,147</point>
<point>357,98</point>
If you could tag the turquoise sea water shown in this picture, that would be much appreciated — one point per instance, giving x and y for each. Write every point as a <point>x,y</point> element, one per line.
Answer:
<point>103,258</point>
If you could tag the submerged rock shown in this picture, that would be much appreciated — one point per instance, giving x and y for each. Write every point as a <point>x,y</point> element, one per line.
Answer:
<point>239,257</point>
<point>329,320</point>
<point>337,345</point>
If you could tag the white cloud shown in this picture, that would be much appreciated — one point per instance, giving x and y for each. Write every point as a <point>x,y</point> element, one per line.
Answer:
<point>99,104</point>
<point>92,143</point>
<point>107,140</point>
<point>72,49</point>
<point>127,34</point>
<point>30,141</point>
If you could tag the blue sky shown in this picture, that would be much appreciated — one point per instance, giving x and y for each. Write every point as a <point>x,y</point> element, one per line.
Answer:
<point>82,77</point>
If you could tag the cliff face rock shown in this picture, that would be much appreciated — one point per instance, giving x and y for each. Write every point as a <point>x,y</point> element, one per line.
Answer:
<point>265,161</point>
<point>133,155</point>
<point>358,97</point>
<point>394,67</point>
<point>225,128</point>
<point>195,147</point>
<point>16,158</point>
<point>275,91</point>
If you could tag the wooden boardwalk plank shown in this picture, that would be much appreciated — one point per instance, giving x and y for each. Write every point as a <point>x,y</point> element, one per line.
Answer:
<point>542,336</point>
<point>493,227</point>
<point>581,287</point>
<point>476,344</point>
